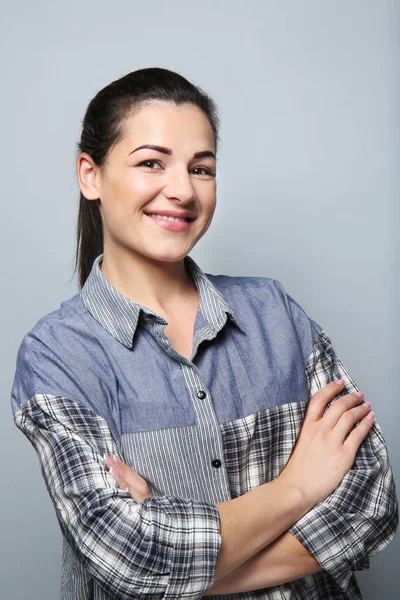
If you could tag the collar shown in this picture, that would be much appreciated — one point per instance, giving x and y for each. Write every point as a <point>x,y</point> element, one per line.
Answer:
<point>119,315</point>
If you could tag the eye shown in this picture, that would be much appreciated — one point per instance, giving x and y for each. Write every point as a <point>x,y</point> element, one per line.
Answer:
<point>203,171</point>
<point>149,164</point>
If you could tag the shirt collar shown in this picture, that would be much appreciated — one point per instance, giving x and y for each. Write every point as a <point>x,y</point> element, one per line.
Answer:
<point>119,315</point>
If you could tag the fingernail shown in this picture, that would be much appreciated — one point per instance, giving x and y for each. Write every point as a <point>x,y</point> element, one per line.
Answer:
<point>360,394</point>
<point>367,404</point>
<point>371,415</point>
<point>339,381</point>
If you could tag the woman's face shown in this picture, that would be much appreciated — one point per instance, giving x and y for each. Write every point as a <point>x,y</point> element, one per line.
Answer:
<point>164,165</point>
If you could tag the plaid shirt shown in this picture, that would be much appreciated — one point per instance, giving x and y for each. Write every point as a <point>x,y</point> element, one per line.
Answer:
<point>99,375</point>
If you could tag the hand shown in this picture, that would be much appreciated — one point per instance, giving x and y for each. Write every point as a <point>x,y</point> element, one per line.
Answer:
<point>128,479</point>
<point>328,441</point>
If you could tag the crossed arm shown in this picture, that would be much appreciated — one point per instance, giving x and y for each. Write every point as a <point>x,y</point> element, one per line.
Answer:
<point>358,519</point>
<point>285,559</point>
<point>161,539</point>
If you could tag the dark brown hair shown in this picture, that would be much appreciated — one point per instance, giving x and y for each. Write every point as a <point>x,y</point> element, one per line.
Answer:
<point>102,128</point>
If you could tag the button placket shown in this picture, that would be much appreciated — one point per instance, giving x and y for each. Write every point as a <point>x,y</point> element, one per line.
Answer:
<point>208,426</point>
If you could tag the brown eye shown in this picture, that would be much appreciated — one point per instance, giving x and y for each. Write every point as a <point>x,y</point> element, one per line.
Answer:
<point>149,164</point>
<point>202,171</point>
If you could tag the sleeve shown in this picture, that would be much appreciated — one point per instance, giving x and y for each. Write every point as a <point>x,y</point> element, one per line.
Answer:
<point>361,516</point>
<point>165,547</point>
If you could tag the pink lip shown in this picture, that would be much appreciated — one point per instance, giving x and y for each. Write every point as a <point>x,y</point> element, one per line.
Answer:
<point>180,214</point>
<point>171,225</point>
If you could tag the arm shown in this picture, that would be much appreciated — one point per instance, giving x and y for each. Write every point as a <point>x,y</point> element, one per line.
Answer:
<point>167,546</point>
<point>163,547</point>
<point>284,560</point>
<point>130,549</point>
<point>339,534</point>
<point>361,516</point>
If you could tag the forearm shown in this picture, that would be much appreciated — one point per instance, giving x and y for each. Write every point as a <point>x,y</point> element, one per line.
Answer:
<point>253,521</point>
<point>283,560</point>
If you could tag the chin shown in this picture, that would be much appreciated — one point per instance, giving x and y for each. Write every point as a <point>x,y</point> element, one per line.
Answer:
<point>169,256</point>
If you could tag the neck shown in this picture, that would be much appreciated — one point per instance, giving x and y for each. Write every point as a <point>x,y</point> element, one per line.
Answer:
<point>158,285</point>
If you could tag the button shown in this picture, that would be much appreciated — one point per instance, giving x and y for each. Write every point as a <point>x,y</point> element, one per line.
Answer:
<point>201,394</point>
<point>216,463</point>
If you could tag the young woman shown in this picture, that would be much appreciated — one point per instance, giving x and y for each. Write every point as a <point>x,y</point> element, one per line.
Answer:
<point>213,392</point>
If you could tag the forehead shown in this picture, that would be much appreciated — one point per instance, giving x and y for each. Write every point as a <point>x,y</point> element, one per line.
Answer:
<point>165,123</point>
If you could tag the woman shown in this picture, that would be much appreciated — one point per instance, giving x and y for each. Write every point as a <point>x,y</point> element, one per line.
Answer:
<point>200,383</point>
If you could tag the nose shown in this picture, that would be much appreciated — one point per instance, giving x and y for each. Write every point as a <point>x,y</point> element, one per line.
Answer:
<point>179,186</point>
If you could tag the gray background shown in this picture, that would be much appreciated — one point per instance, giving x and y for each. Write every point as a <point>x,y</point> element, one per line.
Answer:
<point>308,191</point>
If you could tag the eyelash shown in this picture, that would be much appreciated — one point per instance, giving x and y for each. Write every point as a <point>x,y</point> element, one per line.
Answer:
<point>145,163</point>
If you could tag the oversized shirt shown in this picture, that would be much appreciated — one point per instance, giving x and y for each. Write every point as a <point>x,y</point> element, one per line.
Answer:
<point>98,375</point>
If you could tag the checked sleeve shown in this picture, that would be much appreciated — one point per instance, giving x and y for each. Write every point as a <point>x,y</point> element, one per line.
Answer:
<point>360,517</point>
<point>165,547</point>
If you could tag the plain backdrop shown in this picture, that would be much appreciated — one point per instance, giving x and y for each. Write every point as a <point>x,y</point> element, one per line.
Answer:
<point>308,192</point>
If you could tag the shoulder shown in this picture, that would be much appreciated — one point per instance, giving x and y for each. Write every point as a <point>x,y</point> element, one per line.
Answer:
<point>267,291</point>
<point>256,288</point>
<point>50,332</point>
<point>265,300</point>
<point>56,322</point>
<point>53,357</point>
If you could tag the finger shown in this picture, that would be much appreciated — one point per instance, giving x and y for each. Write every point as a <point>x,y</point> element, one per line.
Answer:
<point>114,474</point>
<point>109,460</point>
<point>121,471</point>
<point>340,406</point>
<point>349,418</point>
<point>129,476</point>
<point>359,433</point>
<point>319,401</point>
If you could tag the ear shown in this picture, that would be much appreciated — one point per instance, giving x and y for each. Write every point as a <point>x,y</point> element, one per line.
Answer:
<point>87,172</point>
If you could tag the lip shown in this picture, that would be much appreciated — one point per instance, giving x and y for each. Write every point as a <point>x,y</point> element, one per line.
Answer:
<point>185,214</point>
<point>170,225</point>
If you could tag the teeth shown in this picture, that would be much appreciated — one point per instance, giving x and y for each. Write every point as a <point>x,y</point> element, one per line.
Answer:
<point>166,218</point>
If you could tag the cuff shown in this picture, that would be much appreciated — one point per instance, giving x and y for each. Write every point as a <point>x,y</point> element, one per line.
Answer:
<point>194,546</point>
<point>333,543</point>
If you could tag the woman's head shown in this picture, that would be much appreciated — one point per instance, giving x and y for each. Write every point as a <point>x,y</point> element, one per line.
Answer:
<point>121,184</point>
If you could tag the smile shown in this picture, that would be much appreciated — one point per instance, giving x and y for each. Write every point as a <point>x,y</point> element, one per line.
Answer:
<point>170,223</point>
<point>167,218</point>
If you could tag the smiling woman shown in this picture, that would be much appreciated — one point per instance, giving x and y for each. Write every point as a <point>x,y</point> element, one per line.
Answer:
<point>171,174</point>
<point>245,457</point>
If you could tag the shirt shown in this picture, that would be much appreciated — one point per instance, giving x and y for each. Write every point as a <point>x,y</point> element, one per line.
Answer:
<point>98,375</point>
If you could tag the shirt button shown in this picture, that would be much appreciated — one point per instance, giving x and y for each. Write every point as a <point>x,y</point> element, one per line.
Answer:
<point>216,463</point>
<point>201,394</point>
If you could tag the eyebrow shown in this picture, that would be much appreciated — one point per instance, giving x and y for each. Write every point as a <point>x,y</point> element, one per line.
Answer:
<point>164,150</point>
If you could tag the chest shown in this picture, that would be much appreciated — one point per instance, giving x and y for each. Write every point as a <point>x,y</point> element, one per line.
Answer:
<point>180,335</point>
<point>180,328</point>
<point>229,376</point>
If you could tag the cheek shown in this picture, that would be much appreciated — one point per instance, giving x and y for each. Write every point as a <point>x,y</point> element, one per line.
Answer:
<point>206,194</point>
<point>142,187</point>
<point>212,204</point>
<point>130,189</point>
